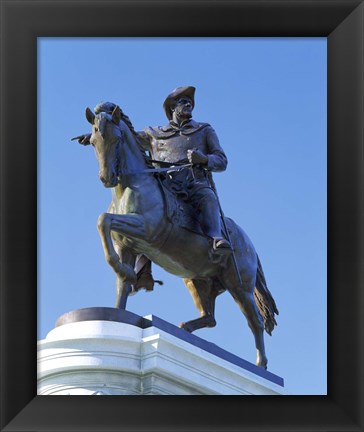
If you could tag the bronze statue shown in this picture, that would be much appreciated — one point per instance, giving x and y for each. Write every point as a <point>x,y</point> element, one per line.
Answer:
<point>165,208</point>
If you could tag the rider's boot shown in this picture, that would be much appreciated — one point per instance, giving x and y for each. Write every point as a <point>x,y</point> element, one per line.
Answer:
<point>211,224</point>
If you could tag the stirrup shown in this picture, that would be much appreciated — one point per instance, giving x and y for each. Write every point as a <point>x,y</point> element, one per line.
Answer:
<point>220,244</point>
<point>146,282</point>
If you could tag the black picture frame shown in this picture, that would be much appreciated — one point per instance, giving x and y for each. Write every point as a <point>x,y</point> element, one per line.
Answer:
<point>341,21</point>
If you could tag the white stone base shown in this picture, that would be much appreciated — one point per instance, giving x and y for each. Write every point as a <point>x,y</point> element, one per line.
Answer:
<point>113,358</point>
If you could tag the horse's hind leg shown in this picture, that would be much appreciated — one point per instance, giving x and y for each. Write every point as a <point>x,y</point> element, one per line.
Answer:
<point>204,293</point>
<point>244,297</point>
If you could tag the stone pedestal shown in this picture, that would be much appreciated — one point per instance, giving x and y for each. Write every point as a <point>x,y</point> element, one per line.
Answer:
<point>105,351</point>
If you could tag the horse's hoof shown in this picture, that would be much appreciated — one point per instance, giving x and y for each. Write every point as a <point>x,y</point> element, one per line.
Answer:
<point>263,365</point>
<point>187,327</point>
<point>198,323</point>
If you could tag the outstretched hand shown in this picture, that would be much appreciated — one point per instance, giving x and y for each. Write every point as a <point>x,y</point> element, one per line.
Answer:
<point>197,157</point>
<point>82,139</point>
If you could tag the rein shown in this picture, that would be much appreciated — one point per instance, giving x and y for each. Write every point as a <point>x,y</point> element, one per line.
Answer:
<point>173,167</point>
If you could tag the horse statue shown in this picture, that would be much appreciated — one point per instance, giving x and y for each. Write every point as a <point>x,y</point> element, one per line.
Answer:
<point>137,223</point>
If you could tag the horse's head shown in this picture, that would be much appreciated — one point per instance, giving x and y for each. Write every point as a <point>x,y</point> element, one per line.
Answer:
<point>106,139</point>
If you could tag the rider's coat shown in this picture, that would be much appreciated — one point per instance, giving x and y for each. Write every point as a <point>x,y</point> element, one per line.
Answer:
<point>170,144</point>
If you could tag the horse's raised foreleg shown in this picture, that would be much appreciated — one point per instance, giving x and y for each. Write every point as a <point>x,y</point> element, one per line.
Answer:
<point>204,293</point>
<point>131,226</point>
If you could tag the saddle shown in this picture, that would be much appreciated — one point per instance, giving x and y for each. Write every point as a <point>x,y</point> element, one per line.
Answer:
<point>178,210</point>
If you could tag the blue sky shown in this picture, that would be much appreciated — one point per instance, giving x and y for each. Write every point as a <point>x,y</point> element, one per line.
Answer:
<point>266,99</point>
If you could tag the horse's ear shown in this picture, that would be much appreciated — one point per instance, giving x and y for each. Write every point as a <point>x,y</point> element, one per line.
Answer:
<point>116,115</point>
<point>90,115</point>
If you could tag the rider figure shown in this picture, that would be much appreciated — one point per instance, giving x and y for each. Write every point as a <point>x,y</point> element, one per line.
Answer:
<point>184,140</point>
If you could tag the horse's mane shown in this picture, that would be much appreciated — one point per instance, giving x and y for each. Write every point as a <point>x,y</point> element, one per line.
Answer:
<point>128,122</point>
<point>108,107</point>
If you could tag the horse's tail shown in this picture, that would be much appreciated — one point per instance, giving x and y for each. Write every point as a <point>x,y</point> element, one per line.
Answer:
<point>265,301</point>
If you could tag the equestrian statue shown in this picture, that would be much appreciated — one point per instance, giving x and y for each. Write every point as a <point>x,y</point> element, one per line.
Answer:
<point>165,210</point>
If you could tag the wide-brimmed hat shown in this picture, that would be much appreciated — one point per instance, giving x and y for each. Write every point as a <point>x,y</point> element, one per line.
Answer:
<point>178,92</point>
